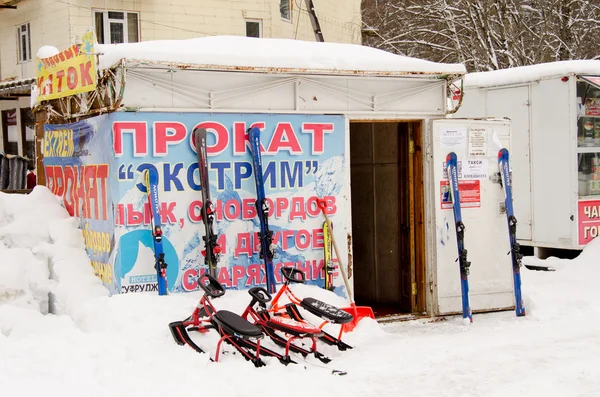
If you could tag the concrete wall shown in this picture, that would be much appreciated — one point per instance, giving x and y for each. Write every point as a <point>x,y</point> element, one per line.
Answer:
<point>61,23</point>
<point>49,25</point>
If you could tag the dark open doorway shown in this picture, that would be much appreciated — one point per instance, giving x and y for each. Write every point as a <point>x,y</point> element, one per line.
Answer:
<point>388,250</point>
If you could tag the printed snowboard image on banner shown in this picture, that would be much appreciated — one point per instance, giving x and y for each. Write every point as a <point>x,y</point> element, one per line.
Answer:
<point>78,164</point>
<point>303,159</point>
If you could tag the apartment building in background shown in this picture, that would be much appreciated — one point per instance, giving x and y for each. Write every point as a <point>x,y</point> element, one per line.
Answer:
<point>26,25</point>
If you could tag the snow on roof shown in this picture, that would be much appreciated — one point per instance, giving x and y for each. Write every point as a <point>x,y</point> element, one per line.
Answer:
<point>525,74</point>
<point>272,55</point>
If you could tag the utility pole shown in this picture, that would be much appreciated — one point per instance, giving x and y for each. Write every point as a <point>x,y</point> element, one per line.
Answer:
<point>314,21</point>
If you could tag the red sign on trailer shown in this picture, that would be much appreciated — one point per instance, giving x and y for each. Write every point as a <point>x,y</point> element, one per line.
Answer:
<point>588,220</point>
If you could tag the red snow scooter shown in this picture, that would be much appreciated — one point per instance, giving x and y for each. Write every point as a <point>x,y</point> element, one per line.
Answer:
<point>330,314</point>
<point>240,333</point>
<point>275,326</point>
<point>232,328</point>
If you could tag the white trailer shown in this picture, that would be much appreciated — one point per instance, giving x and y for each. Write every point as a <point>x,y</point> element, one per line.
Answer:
<point>554,110</point>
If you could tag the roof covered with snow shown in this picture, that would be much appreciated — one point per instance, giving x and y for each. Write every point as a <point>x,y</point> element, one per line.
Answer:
<point>525,74</point>
<point>271,55</point>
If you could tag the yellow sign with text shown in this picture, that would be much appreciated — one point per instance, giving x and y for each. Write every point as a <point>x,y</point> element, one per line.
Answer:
<point>69,72</point>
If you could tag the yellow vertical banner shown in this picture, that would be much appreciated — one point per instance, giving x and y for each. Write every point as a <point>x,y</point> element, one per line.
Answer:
<point>71,71</point>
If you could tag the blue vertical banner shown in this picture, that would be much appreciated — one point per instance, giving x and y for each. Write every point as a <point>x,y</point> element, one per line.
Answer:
<point>79,167</point>
<point>303,160</point>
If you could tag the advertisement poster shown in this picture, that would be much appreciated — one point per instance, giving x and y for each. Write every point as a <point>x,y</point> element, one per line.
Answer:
<point>592,106</point>
<point>71,71</point>
<point>588,220</point>
<point>303,159</point>
<point>79,165</point>
<point>470,194</point>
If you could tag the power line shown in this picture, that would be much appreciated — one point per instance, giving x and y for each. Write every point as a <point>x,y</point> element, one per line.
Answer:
<point>141,20</point>
<point>176,27</point>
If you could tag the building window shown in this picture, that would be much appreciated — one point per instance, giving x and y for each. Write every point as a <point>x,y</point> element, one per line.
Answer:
<point>117,27</point>
<point>285,8</point>
<point>9,126</point>
<point>24,42</point>
<point>253,28</point>
<point>28,133</point>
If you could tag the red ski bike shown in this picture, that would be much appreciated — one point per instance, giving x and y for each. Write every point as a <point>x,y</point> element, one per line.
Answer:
<point>238,332</point>
<point>245,336</point>
<point>275,326</point>
<point>330,314</point>
<point>232,328</point>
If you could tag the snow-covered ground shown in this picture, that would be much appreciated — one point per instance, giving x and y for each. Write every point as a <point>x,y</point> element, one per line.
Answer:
<point>97,345</point>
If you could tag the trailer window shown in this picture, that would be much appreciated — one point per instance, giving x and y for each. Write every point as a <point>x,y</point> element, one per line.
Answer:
<point>588,128</point>
<point>588,137</point>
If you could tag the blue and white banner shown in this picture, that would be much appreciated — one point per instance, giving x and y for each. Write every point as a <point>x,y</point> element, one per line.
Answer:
<point>304,158</point>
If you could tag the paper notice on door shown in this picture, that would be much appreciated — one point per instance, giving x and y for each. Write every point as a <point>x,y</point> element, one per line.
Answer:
<point>494,144</point>
<point>445,170</point>
<point>453,137</point>
<point>478,141</point>
<point>474,168</point>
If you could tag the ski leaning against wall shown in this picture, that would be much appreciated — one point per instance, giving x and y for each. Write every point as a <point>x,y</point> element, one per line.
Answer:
<point>303,159</point>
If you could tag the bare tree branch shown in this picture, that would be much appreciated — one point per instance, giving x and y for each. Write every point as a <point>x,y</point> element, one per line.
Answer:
<point>485,34</point>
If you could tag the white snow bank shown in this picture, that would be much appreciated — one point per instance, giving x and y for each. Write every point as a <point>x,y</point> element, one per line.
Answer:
<point>236,51</point>
<point>43,255</point>
<point>524,74</point>
<point>570,290</point>
<point>25,219</point>
<point>24,279</point>
<point>121,345</point>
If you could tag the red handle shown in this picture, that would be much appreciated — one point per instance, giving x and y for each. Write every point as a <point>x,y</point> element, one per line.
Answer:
<point>322,204</point>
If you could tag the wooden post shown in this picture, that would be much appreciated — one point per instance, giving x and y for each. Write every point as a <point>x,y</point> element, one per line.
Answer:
<point>40,119</point>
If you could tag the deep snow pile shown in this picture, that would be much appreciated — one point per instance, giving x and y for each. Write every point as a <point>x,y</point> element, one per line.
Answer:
<point>105,346</point>
<point>44,264</point>
<point>570,291</point>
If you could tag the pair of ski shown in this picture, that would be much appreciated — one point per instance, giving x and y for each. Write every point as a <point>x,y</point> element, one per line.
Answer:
<point>212,249</point>
<point>464,264</point>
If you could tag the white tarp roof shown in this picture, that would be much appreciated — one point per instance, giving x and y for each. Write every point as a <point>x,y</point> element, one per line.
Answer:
<point>525,74</point>
<point>244,53</point>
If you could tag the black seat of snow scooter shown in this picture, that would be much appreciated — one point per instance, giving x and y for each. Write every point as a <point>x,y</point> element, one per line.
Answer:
<point>326,311</point>
<point>235,325</point>
<point>315,306</point>
<point>231,323</point>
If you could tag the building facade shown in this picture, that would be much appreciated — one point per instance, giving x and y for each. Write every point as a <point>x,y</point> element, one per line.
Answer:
<point>28,25</point>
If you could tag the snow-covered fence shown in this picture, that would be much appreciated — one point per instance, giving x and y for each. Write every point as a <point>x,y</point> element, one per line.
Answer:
<point>13,172</point>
